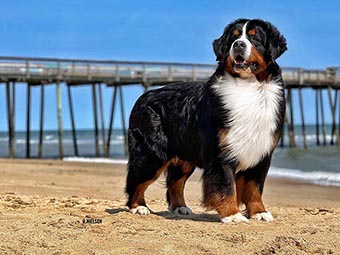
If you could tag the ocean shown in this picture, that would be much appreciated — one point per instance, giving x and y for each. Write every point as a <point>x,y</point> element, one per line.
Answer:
<point>317,164</point>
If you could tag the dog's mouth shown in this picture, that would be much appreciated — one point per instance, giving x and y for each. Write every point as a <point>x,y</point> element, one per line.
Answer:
<point>242,64</point>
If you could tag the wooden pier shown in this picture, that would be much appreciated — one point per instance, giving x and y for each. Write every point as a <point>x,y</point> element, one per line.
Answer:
<point>97,73</point>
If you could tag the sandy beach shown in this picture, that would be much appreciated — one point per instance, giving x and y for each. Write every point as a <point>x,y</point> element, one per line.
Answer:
<point>55,207</point>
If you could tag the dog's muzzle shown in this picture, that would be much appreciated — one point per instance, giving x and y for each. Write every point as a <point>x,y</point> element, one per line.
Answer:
<point>240,53</point>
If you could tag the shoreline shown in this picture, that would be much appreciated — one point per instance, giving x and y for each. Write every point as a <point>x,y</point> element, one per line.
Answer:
<point>283,187</point>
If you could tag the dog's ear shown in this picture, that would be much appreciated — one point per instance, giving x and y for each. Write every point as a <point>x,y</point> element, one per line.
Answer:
<point>220,45</point>
<point>218,48</point>
<point>277,42</point>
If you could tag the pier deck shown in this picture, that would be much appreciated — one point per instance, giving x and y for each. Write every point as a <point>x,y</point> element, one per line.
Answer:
<point>95,73</point>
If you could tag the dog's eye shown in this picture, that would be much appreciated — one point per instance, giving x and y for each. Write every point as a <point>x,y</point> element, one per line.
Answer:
<point>236,33</point>
<point>252,32</point>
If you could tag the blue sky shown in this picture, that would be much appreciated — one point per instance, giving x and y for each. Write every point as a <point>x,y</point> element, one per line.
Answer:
<point>180,31</point>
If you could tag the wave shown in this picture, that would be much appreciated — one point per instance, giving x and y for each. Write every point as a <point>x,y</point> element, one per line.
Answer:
<point>96,160</point>
<point>65,141</point>
<point>317,177</point>
<point>310,138</point>
<point>49,137</point>
<point>119,139</point>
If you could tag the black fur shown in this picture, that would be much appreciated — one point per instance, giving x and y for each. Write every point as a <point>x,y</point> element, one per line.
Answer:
<point>183,121</point>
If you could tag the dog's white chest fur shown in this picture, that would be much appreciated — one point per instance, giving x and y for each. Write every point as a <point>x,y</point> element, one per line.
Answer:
<point>252,117</point>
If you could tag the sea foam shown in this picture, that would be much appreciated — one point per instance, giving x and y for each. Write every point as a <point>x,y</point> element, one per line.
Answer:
<point>315,177</point>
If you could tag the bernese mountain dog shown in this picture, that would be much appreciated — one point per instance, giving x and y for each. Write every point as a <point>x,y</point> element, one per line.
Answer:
<point>228,126</point>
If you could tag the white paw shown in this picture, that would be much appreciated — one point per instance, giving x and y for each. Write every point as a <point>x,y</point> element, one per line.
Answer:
<point>238,217</point>
<point>183,210</point>
<point>265,216</point>
<point>142,210</point>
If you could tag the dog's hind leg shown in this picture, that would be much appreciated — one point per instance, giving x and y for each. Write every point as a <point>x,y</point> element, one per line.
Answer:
<point>177,175</point>
<point>138,179</point>
<point>147,157</point>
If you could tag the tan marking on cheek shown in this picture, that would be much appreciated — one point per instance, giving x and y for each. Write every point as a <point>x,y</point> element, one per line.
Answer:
<point>255,56</point>
<point>229,66</point>
<point>260,72</point>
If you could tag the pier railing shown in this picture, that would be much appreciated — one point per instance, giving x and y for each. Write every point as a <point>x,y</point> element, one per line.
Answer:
<point>73,72</point>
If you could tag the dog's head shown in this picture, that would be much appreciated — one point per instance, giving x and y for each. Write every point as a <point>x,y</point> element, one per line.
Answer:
<point>248,47</point>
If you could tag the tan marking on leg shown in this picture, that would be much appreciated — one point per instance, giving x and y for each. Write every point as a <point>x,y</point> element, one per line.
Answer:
<point>176,189</point>
<point>138,197</point>
<point>224,205</point>
<point>253,198</point>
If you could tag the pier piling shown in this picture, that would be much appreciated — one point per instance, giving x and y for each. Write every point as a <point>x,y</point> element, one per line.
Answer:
<point>95,119</point>
<point>339,121</point>
<point>317,116</point>
<point>123,118</point>
<point>41,129</point>
<point>60,120</point>
<point>113,106</point>
<point>12,150</point>
<point>333,110</point>
<point>10,98</point>
<point>28,122</point>
<point>302,119</point>
<point>74,135</point>
<point>322,118</point>
<point>291,119</point>
<point>101,107</point>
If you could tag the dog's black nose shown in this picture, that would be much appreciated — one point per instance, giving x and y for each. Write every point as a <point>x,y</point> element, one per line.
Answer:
<point>239,45</point>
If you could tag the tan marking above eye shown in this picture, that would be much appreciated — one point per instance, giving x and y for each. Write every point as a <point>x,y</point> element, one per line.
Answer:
<point>236,33</point>
<point>252,32</point>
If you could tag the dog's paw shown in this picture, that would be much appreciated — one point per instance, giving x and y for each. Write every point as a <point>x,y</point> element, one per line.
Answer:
<point>183,210</point>
<point>237,218</point>
<point>142,210</point>
<point>264,216</point>
<point>243,209</point>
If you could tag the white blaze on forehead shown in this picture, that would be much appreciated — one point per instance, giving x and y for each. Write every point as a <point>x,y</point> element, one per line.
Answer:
<point>244,30</point>
<point>245,40</point>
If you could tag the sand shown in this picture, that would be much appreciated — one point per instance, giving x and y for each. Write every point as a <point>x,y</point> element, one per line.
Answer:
<point>44,204</point>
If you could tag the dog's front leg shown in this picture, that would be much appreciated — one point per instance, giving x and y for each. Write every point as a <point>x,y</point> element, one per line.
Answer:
<point>219,192</point>
<point>250,187</point>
